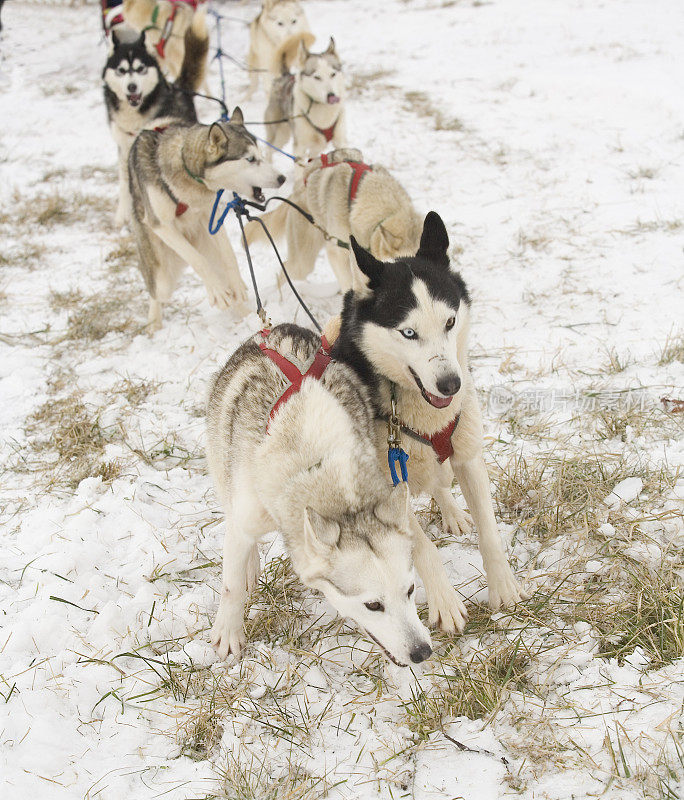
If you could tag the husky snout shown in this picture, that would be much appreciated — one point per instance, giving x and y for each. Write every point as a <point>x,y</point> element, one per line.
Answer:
<point>421,653</point>
<point>448,385</point>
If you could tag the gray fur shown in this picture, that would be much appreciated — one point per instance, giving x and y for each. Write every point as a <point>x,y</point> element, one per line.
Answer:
<point>315,477</point>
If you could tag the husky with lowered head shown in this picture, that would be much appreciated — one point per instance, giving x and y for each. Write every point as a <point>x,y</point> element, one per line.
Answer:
<point>278,21</point>
<point>346,198</point>
<point>308,467</point>
<point>404,331</point>
<point>174,174</point>
<point>137,95</point>
<point>310,100</point>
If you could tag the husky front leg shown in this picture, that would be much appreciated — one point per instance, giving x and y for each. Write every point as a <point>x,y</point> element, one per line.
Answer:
<point>227,280</point>
<point>454,519</point>
<point>240,574</point>
<point>474,482</point>
<point>445,608</point>
<point>219,295</point>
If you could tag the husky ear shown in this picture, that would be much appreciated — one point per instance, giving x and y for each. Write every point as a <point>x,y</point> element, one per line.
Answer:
<point>331,48</point>
<point>115,40</point>
<point>236,117</point>
<point>434,241</point>
<point>394,510</point>
<point>302,54</point>
<point>366,269</point>
<point>320,534</point>
<point>216,135</point>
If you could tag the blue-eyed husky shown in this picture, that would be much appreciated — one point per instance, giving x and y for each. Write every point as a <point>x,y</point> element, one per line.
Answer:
<point>404,331</point>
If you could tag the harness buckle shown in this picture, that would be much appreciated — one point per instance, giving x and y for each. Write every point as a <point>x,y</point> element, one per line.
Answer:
<point>265,319</point>
<point>393,427</point>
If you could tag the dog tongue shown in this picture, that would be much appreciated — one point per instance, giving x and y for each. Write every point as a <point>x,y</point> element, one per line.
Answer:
<point>333,98</point>
<point>437,402</point>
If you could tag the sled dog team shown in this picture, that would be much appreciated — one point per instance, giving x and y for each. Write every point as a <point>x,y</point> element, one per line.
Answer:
<point>298,423</point>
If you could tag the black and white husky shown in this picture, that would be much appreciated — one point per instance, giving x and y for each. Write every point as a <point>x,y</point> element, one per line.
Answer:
<point>404,331</point>
<point>138,96</point>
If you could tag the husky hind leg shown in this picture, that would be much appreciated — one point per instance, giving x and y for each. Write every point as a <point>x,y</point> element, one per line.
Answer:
<point>339,261</point>
<point>304,243</point>
<point>160,268</point>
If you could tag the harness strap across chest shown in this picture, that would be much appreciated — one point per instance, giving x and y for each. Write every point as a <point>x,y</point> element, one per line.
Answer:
<point>358,171</point>
<point>440,442</point>
<point>315,369</point>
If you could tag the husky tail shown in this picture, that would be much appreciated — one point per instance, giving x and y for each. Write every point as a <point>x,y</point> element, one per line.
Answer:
<point>291,51</point>
<point>193,70</point>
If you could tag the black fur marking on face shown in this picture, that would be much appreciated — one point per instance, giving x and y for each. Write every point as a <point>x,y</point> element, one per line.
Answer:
<point>127,53</point>
<point>391,295</point>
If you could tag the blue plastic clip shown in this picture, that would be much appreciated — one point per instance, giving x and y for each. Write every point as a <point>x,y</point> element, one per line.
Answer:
<point>235,203</point>
<point>395,454</point>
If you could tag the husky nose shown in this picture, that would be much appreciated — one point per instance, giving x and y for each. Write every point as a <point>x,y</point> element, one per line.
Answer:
<point>281,180</point>
<point>131,88</point>
<point>420,653</point>
<point>448,385</point>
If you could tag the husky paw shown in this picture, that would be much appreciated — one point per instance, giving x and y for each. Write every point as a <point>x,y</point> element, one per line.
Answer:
<point>227,634</point>
<point>446,610</point>
<point>457,521</point>
<point>222,297</point>
<point>504,589</point>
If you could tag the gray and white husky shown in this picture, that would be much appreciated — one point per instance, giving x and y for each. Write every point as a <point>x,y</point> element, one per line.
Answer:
<point>137,95</point>
<point>311,100</point>
<point>278,21</point>
<point>404,331</point>
<point>174,174</point>
<point>309,468</point>
<point>346,198</point>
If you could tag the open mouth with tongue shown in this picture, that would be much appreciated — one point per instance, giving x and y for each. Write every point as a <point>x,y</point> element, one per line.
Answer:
<point>257,194</point>
<point>333,98</point>
<point>432,399</point>
<point>134,99</point>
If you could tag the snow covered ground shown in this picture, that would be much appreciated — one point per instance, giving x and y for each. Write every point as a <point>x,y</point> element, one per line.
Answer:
<point>550,137</point>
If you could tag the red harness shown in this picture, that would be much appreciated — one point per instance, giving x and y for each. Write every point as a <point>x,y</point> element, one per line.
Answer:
<point>358,168</point>
<point>168,25</point>
<point>292,372</point>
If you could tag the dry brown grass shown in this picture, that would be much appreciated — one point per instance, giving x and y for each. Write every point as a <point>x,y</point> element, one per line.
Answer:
<point>69,428</point>
<point>419,103</point>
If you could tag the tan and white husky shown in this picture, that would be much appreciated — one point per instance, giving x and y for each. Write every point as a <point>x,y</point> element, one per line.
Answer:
<point>174,174</point>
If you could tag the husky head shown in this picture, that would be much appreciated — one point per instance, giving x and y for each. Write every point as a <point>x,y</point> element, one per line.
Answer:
<point>412,316</point>
<point>131,73</point>
<point>282,19</point>
<point>321,77</point>
<point>232,160</point>
<point>363,566</point>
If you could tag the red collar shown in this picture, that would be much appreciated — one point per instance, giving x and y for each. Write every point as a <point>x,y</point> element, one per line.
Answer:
<point>440,442</point>
<point>291,371</point>
<point>358,171</point>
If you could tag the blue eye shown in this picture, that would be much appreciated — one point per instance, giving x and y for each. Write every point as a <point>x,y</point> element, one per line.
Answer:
<point>251,159</point>
<point>408,333</point>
